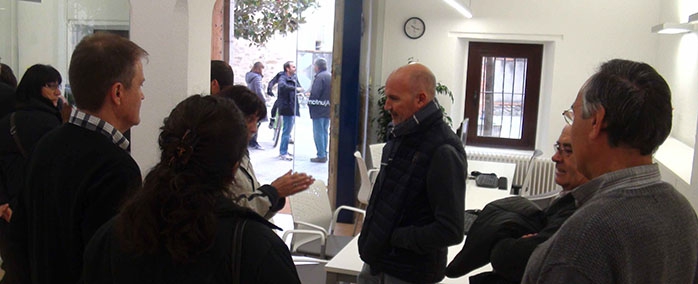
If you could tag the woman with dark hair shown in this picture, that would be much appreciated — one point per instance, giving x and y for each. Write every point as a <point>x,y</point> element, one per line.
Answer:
<point>41,83</point>
<point>266,199</point>
<point>182,226</point>
<point>7,76</point>
<point>36,114</point>
<point>8,84</point>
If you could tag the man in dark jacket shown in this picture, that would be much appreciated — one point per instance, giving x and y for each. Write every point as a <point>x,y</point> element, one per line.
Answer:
<point>417,204</point>
<point>288,106</point>
<point>81,171</point>
<point>319,107</point>
<point>221,76</point>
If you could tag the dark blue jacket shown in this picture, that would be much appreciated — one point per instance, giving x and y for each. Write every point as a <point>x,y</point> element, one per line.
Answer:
<point>319,100</point>
<point>288,101</point>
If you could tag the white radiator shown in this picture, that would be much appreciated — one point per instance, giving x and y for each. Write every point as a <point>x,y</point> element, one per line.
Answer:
<point>542,173</point>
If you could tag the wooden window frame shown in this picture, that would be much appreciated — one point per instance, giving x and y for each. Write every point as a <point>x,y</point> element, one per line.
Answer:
<point>534,54</point>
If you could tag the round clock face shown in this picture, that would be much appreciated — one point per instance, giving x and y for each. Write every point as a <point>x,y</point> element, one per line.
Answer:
<point>414,28</point>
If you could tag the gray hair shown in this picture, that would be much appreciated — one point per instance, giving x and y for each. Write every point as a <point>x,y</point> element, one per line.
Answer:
<point>637,101</point>
<point>321,64</point>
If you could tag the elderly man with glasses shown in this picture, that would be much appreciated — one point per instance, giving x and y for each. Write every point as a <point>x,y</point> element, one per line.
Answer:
<point>631,227</point>
<point>509,255</point>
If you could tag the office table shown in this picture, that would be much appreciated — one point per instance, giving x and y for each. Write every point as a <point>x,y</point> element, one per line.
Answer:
<point>346,265</point>
<point>477,197</point>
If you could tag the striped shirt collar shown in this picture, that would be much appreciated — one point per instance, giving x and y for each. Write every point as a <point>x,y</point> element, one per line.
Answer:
<point>629,178</point>
<point>94,123</point>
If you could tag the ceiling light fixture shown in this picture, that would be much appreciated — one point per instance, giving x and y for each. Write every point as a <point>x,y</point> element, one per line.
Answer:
<point>460,8</point>
<point>672,28</point>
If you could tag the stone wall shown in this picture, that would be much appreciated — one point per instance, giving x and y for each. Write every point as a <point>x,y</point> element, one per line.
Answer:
<point>273,55</point>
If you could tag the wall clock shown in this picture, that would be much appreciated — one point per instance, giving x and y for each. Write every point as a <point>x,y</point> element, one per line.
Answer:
<point>414,28</point>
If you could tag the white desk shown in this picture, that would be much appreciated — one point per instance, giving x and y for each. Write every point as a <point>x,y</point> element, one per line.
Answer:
<point>346,265</point>
<point>477,197</point>
<point>501,169</point>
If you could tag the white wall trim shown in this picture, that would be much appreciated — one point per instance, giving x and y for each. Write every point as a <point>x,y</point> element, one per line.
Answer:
<point>509,37</point>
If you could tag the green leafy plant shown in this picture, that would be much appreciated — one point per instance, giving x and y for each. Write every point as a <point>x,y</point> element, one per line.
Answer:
<point>384,118</point>
<point>258,20</point>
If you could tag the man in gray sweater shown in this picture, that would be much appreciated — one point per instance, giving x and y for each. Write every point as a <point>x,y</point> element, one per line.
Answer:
<point>634,228</point>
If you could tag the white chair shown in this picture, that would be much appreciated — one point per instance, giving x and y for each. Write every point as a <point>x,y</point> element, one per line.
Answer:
<point>376,154</point>
<point>366,183</point>
<point>314,223</point>
<point>523,188</point>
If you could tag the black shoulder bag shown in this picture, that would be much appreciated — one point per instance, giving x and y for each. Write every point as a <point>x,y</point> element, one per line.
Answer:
<point>237,249</point>
<point>13,133</point>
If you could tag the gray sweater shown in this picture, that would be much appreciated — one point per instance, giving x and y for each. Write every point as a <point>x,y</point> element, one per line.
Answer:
<point>634,229</point>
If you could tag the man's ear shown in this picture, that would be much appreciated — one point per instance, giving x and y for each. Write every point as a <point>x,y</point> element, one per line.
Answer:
<point>597,122</point>
<point>215,87</point>
<point>115,93</point>
<point>422,98</point>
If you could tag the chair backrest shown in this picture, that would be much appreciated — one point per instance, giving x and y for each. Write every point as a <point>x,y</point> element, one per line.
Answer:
<point>543,200</point>
<point>365,188</point>
<point>376,154</point>
<point>529,172</point>
<point>312,206</point>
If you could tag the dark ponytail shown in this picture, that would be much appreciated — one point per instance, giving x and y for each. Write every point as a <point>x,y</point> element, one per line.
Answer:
<point>201,141</point>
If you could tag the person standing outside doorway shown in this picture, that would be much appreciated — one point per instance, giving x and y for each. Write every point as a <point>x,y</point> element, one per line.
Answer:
<point>288,106</point>
<point>254,83</point>
<point>319,107</point>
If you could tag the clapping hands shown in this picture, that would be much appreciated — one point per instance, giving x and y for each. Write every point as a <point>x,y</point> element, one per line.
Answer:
<point>291,183</point>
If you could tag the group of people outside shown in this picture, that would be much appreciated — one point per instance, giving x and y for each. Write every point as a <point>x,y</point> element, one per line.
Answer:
<point>76,209</point>
<point>286,105</point>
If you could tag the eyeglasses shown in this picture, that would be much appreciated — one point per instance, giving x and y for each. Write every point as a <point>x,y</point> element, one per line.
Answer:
<point>53,86</point>
<point>569,116</point>
<point>561,149</point>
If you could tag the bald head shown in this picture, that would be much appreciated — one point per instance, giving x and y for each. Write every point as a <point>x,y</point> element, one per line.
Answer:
<point>418,77</point>
<point>407,90</point>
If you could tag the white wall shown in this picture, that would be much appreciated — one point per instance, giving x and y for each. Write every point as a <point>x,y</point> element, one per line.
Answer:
<point>582,34</point>
<point>8,33</point>
<point>42,29</point>
<point>677,60</point>
<point>98,10</point>
<point>578,36</point>
<point>41,34</point>
<point>177,34</point>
